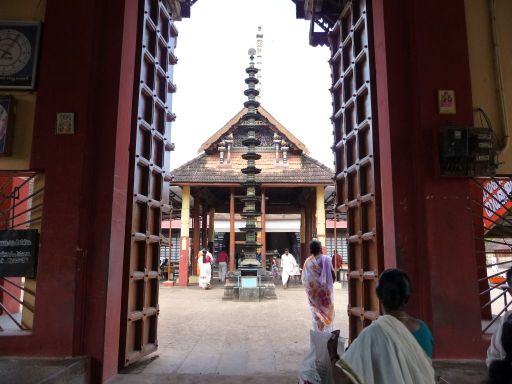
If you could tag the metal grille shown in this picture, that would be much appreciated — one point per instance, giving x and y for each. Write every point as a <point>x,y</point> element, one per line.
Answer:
<point>21,207</point>
<point>354,149</point>
<point>151,146</point>
<point>491,209</point>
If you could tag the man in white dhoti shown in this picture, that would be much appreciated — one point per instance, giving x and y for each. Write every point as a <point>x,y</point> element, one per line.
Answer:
<point>288,265</point>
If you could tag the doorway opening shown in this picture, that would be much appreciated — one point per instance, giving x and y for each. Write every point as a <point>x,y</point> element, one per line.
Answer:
<point>310,126</point>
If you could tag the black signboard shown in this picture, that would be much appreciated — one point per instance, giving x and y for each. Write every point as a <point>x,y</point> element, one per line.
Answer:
<point>18,252</point>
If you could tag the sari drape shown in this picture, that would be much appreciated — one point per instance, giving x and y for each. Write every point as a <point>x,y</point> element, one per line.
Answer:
<point>318,283</point>
<point>205,272</point>
<point>386,352</point>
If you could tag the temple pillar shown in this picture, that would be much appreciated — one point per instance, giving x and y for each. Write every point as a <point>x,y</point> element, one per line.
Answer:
<point>335,239</point>
<point>263,231</point>
<point>308,230</point>
<point>232,230</point>
<point>320,217</point>
<point>196,232</point>
<point>427,230</point>
<point>204,226</point>
<point>303,250</point>
<point>184,235</point>
<point>211,229</point>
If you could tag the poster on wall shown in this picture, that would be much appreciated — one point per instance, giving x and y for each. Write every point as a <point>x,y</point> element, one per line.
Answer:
<point>18,252</point>
<point>19,51</point>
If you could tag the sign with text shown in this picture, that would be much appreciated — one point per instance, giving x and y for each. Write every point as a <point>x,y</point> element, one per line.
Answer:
<point>496,200</point>
<point>18,252</point>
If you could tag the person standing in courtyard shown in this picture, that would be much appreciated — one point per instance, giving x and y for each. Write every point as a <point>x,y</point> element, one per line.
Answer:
<point>205,269</point>
<point>495,350</point>
<point>318,279</point>
<point>500,371</point>
<point>288,265</point>
<point>223,259</point>
<point>275,269</point>
<point>336,262</point>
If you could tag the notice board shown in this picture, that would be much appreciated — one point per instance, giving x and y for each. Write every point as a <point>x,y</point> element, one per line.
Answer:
<point>18,252</point>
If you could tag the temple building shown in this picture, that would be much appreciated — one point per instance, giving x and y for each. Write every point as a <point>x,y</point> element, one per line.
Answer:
<point>293,193</point>
<point>421,123</point>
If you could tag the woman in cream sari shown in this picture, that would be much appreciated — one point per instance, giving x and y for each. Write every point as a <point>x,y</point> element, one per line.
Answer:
<point>396,348</point>
<point>317,278</point>
<point>205,269</point>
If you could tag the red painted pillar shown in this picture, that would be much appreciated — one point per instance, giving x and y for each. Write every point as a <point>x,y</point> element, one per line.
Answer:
<point>83,229</point>
<point>196,246</point>
<point>204,225</point>
<point>420,47</point>
<point>303,254</point>
<point>211,229</point>
<point>308,231</point>
<point>263,230</point>
<point>232,230</point>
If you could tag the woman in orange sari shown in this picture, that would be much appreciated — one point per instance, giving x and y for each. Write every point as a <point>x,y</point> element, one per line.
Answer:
<point>317,278</point>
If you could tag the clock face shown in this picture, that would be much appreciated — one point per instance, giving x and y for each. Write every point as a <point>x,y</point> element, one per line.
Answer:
<point>15,51</point>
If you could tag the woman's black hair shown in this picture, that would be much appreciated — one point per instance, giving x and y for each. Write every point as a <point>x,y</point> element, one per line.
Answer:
<point>315,247</point>
<point>500,371</point>
<point>394,288</point>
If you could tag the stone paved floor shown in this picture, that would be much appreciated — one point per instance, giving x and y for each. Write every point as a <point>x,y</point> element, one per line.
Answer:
<point>199,334</point>
<point>204,340</point>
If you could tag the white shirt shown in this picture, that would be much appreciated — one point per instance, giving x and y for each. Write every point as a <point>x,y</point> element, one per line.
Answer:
<point>495,350</point>
<point>288,263</point>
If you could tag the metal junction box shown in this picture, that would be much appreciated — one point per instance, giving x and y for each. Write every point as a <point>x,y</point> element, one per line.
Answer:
<point>467,152</point>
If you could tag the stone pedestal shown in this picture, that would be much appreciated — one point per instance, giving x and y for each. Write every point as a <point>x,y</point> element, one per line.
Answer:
<point>237,289</point>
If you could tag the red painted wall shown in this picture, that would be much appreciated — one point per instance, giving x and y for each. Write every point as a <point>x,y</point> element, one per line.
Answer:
<point>19,222</point>
<point>420,47</point>
<point>86,67</point>
<point>7,185</point>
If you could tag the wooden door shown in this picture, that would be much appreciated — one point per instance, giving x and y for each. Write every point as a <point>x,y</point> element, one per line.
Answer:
<point>355,155</point>
<point>150,148</point>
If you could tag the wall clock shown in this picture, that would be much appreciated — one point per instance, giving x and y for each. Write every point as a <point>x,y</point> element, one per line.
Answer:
<point>19,49</point>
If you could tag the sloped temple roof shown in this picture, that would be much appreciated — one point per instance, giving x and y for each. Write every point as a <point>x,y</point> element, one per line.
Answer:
<point>301,169</point>
<point>283,157</point>
<point>273,124</point>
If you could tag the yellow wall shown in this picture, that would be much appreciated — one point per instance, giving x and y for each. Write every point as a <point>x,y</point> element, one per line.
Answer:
<point>483,76</point>
<point>21,10</point>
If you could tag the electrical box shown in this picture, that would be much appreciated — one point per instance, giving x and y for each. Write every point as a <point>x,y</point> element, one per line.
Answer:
<point>467,152</point>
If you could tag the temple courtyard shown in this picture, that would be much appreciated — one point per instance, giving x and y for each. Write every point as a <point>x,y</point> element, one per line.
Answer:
<point>203,339</point>
<point>200,334</point>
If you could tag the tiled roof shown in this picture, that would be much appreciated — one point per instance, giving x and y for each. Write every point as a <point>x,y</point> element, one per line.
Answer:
<point>231,124</point>
<point>299,169</point>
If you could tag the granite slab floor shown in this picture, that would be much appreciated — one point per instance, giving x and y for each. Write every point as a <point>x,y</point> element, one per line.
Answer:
<point>200,335</point>
<point>205,340</point>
